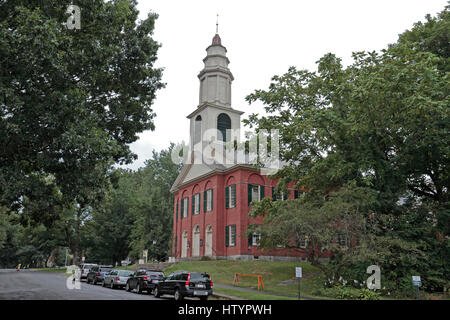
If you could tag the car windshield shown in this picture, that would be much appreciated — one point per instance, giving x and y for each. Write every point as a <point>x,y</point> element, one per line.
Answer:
<point>105,269</point>
<point>199,276</point>
<point>125,273</point>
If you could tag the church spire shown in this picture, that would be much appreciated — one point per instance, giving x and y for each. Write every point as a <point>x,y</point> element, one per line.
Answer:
<point>216,77</point>
<point>216,40</point>
<point>217,24</point>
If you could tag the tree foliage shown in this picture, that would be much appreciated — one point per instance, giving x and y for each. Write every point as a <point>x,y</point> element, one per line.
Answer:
<point>71,101</point>
<point>383,123</point>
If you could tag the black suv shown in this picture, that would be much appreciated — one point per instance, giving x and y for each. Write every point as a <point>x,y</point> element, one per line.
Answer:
<point>97,273</point>
<point>144,280</point>
<point>185,284</point>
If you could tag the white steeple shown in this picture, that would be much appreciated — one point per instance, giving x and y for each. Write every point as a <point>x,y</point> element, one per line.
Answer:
<point>216,77</point>
<point>214,122</point>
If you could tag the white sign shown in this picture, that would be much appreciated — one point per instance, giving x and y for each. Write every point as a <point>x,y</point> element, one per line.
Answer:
<point>298,272</point>
<point>416,278</point>
<point>83,258</point>
<point>145,253</point>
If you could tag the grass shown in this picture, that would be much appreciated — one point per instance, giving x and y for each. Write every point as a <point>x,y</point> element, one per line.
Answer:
<point>278,277</point>
<point>250,295</point>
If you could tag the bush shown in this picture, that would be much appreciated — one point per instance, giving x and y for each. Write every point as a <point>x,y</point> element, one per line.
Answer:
<point>349,293</point>
<point>366,294</point>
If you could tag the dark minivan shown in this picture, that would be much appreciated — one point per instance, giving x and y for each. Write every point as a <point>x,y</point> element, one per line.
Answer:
<point>185,284</point>
<point>97,273</point>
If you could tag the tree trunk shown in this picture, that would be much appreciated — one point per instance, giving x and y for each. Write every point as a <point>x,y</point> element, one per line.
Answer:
<point>76,242</point>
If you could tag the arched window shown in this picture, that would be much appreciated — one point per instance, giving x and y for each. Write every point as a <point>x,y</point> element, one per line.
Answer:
<point>223,124</point>
<point>197,130</point>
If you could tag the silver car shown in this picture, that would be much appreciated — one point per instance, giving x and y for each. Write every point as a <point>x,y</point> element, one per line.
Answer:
<point>116,278</point>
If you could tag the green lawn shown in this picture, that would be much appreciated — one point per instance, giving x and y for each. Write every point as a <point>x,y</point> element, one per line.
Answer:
<point>278,277</point>
<point>250,295</point>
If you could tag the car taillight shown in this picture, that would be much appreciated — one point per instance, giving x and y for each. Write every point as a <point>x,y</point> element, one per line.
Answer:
<point>187,281</point>
<point>117,279</point>
<point>98,274</point>
<point>145,277</point>
<point>211,283</point>
<point>82,271</point>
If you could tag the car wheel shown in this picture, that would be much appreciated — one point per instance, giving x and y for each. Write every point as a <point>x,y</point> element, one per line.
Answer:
<point>94,282</point>
<point>87,280</point>
<point>156,292</point>
<point>103,284</point>
<point>178,296</point>
<point>138,289</point>
<point>112,285</point>
<point>127,287</point>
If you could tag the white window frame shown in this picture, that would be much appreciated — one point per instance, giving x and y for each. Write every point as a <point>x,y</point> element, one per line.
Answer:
<point>303,242</point>
<point>256,237</point>
<point>230,197</point>
<point>258,187</point>
<point>196,204</point>
<point>185,207</point>
<point>209,199</point>
<point>230,236</point>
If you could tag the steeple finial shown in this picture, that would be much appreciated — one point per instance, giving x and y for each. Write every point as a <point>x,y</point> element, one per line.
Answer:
<point>217,24</point>
<point>216,39</point>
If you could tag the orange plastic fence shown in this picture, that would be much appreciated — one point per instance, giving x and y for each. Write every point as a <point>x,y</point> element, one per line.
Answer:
<point>259,277</point>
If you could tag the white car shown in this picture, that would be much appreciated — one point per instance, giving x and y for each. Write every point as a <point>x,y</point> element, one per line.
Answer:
<point>84,268</point>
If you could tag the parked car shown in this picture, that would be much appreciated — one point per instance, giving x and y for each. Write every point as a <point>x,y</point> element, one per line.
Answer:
<point>185,284</point>
<point>144,280</point>
<point>116,278</point>
<point>84,269</point>
<point>96,273</point>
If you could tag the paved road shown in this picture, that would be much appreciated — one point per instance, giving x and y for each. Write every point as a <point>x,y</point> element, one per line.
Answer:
<point>38,285</point>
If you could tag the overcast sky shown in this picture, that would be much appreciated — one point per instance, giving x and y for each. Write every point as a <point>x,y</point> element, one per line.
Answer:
<point>263,39</point>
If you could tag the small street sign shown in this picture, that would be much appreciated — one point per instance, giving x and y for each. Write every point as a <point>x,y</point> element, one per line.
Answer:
<point>298,275</point>
<point>416,281</point>
<point>298,272</point>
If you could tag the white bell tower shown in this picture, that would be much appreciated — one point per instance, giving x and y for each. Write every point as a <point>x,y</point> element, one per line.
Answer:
<point>214,122</point>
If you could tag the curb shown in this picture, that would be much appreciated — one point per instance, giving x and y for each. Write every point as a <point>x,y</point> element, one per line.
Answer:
<point>226,296</point>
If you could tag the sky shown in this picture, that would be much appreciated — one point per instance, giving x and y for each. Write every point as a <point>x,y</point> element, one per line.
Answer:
<point>263,39</point>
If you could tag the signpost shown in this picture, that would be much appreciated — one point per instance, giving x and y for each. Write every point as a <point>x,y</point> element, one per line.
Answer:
<point>417,282</point>
<point>298,275</point>
<point>145,255</point>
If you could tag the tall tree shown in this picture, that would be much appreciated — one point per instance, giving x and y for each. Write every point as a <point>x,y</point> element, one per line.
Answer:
<point>382,122</point>
<point>71,101</point>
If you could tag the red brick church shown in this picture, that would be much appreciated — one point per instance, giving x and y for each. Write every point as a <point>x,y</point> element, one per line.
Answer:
<point>212,198</point>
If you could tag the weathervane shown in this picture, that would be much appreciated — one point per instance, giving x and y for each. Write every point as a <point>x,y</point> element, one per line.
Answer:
<point>217,24</point>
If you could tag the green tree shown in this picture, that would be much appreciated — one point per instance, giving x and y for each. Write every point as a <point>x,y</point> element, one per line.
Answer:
<point>154,206</point>
<point>136,215</point>
<point>381,122</point>
<point>71,101</point>
<point>106,234</point>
